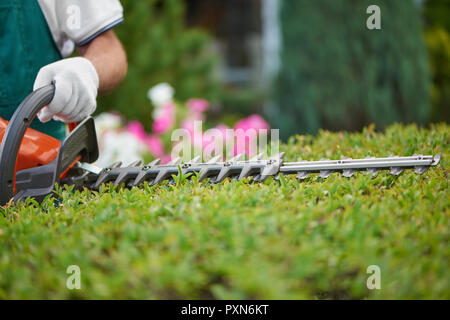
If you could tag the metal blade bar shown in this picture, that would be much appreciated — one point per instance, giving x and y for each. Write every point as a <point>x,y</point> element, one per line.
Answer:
<point>235,168</point>
<point>348,166</point>
<point>313,166</point>
<point>387,159</point>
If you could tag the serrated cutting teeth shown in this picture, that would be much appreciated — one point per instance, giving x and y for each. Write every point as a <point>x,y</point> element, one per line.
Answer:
<point>302,175</point>
<point>136,163</point>
<point>117,164</point>
<point>324,174</point>
<point>215,159</point>
<point>154,162</point>
<point>420,169</point>
<point>396,171</point>
<point>256,169</point>
<point>195,160</point>
<point>372,171</point>
<point>145,173</point>
<point>175,161</point>
<point>223,173</point>
<point>348,173</point>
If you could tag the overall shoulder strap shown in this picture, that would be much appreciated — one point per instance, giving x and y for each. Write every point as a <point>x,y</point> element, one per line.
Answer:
<point>27,46</point>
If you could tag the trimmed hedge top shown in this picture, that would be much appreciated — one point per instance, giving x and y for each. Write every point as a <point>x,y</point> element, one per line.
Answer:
<point>277,240</point>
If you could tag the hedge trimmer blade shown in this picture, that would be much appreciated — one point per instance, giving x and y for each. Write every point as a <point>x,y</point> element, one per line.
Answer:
<point>25,172</point>
<point>256,169</point>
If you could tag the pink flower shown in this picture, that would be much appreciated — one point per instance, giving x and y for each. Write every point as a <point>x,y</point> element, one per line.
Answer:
<point>254,121</point>
<point>165,158</point>
<point>137,129</point>
<point>196,109</point>
<point>165,119</point>
<point>238,149</point>
<point>209,137</point>
<point>246,141</point>
<point>188,125</point>
<point>223,130</point>
<point>161,125</point>
<point>155,145</point>
<point>198,140</point>
<point>197,105</point>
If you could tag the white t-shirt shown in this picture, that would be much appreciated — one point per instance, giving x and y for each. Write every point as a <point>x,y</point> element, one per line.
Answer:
<point>76,22</point>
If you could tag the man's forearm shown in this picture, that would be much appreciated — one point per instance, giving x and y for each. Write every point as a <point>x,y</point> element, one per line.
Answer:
<point>109,59</point>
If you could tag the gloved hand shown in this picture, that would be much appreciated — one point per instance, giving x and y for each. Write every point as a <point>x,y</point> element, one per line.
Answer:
<point>76,85</point>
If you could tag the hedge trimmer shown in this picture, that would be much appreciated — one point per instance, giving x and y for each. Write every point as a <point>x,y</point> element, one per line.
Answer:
<point>31,162</point>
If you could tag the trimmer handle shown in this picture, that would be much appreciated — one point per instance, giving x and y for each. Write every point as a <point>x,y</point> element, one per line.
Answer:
<point>18,124</point>
<point>81,144</point>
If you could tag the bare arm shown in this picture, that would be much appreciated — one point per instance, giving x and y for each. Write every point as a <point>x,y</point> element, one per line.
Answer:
<point>109,59</point>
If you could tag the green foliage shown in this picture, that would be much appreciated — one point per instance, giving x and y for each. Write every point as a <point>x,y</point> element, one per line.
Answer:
<point>436,13</point>
<point>337,74</point>
<point>287,240</point>
<point>437,36</point>
<point>160,49</point>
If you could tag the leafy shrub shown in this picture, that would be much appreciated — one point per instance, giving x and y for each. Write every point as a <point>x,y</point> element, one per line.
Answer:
<point>237,240</point>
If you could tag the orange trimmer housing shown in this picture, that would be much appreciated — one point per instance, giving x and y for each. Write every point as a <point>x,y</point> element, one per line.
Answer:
<point>37,148</point>
<point>32,162</point>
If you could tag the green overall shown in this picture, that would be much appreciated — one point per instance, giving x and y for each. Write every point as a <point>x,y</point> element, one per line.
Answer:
<point>26,46</point>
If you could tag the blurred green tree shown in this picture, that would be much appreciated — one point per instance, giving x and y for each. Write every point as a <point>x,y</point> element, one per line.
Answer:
<point>338,74</point>
<point>437,34</point>
<point>160,49</point>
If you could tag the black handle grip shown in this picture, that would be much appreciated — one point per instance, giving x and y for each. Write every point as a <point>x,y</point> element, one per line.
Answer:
<point>14,134</point>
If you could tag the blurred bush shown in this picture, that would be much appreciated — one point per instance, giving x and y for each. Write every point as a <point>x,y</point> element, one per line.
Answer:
<point>160,49</point>
<point>337,74</point>
<point>437,34</point>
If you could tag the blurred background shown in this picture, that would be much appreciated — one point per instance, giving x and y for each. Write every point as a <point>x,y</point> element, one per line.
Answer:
<point>302,65</point>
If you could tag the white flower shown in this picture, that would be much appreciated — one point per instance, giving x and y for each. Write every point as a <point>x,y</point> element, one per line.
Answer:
<point>107,121</point>
<point>157,112</point>
<point>160,94</point>
<point>119,146</point>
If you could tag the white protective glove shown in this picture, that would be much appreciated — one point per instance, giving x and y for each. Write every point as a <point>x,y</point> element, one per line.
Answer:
<point>76,86</point>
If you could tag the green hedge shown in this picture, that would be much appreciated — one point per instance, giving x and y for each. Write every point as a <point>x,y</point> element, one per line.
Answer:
<point>277,240</point>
